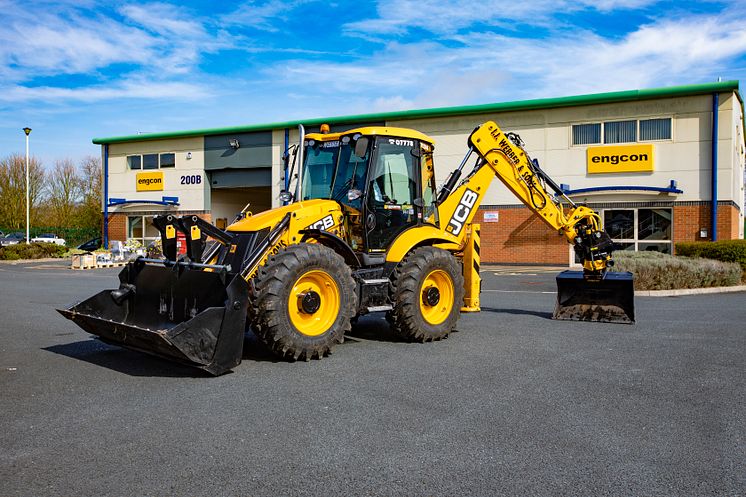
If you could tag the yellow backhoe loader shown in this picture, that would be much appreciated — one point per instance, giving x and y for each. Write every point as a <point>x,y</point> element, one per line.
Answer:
<point>369,234</point>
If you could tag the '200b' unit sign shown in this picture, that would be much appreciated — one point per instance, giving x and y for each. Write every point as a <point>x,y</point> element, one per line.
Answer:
<point>153,181</point>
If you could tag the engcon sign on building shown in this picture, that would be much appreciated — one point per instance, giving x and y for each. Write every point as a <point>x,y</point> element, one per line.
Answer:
<point>148,182</point>
<point>620,159</point>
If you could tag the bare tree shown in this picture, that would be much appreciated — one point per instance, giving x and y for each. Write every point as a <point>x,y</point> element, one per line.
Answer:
<point>64,190</point>
<point>13,190</point>
<point>91,192</point>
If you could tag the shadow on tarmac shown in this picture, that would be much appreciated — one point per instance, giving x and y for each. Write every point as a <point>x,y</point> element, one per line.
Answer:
<point>135,363</point>
<point>374,328</point>
<point>541,314</point>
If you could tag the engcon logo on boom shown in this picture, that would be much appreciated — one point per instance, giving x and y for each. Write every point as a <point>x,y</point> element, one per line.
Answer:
<point>620,159</point>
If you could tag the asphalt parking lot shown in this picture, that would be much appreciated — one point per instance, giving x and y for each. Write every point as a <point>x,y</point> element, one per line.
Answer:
<point>512,404</point>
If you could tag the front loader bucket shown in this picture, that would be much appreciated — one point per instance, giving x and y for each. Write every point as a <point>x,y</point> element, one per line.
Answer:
<point>190,316</point>
<point>610,299</point>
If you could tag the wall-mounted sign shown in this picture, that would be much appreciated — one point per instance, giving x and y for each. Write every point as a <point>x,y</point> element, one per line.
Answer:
<point>620,159</point>
<point>149,182</point>
<point>491,216</point>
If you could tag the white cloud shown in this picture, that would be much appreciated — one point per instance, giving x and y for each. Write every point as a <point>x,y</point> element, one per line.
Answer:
<point>265,16</point>
<point>131,89</point>
<point>397,17</point>
<point>483,67</point>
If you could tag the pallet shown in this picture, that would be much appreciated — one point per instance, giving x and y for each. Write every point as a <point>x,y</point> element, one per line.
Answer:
<point>111,264</point>
<point>81,267</point>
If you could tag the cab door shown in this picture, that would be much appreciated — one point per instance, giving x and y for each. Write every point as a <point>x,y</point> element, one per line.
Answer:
<point>392,191</point>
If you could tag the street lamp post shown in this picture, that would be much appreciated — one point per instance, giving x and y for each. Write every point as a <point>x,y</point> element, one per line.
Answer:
<point>28,210</point>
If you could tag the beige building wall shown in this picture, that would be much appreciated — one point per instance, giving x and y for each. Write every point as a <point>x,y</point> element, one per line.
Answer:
<point>192,197</point>
<point>548,137</point>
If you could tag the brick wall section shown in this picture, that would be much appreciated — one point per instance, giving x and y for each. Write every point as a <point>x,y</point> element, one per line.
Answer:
<point>118,222</point>
<point>118,227</point>
<point>520,237</point>
<point>689,219</point>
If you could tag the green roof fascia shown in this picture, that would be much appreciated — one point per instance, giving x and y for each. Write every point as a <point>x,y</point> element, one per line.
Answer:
<point>542,103</point>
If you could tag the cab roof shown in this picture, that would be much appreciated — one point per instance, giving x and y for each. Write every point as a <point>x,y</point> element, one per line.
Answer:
<point>391,131</point>
<point>322,137</point>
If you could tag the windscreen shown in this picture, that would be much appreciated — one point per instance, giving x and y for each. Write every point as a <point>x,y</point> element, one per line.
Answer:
<point>318,169</point>
<point>350,175</point>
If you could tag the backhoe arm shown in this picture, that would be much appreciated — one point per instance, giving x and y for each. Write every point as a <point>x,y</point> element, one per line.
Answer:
<point>502,155</point>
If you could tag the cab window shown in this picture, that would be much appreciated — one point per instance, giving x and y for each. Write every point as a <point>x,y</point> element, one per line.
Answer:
<point>318,170</point>
<point>392,190</point>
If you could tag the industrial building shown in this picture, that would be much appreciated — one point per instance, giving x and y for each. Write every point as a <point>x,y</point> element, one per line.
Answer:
<point>661,166</point>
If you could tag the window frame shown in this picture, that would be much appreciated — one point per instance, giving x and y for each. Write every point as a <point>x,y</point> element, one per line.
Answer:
<point>144,240</point>
<point>637,131</point>
<point>636,241</point>
<point>141,156</point>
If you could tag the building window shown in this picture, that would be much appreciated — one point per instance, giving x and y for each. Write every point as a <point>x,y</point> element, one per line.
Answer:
<point>141,229</point>
<point>151,161</point>
<point>620,132</point>
<point>586,134</point>
<point>168,160</point>
<point>631,131</point>
<point>640,229</point>
<point>134,227</point>
<point>655,129</point>
<point>134,161</point>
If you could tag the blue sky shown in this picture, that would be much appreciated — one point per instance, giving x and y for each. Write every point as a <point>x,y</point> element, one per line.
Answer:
<point>72,70</point>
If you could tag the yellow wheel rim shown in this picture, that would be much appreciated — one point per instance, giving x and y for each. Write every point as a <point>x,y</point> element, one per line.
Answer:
<point>313,303</point>
<point>436,297</point>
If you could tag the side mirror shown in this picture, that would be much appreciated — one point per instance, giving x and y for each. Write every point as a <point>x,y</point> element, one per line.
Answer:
<point>286,197</point>
<point>361,146</point>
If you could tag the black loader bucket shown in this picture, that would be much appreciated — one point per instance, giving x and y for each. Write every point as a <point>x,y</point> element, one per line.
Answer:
<point>191,316</point>
<point>610,299</point>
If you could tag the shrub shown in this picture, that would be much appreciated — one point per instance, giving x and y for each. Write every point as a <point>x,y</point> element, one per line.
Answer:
<point>656,271</point>
<point>726,251</point>
<point>31,251</point>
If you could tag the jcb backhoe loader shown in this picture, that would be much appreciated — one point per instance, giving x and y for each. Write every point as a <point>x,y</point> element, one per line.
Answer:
<point>375,235</point>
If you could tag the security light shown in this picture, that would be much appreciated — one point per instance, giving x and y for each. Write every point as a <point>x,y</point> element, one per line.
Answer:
<point>234,143</point>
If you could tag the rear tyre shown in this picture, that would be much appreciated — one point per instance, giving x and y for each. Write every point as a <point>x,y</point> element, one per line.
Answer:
<point>305,298</point>
<point>426,291</point>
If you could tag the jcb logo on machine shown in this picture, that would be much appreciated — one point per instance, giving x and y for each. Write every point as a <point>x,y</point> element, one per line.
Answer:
<point>323,224</point>
<point>461,214</point>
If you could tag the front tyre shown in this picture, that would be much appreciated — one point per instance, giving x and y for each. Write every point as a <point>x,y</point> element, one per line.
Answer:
<point>426,291</point>
<point>305,299</point>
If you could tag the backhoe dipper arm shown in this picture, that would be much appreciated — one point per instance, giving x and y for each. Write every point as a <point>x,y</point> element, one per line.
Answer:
<point>502,155</point>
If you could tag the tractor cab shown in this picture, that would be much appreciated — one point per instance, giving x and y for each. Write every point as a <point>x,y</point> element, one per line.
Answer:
<point>385,182</point>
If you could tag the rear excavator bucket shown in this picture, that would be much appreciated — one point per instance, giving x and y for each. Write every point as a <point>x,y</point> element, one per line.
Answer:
<point>189,316</point>
<point>609,298</point>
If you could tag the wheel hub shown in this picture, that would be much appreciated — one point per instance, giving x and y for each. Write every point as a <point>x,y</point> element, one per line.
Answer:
<point>431,296</point>
<point>309,301</point>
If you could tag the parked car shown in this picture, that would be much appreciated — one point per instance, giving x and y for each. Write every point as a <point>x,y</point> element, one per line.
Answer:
<point>90,245</point>
<point>48,238</point>
<point>12,239</point>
